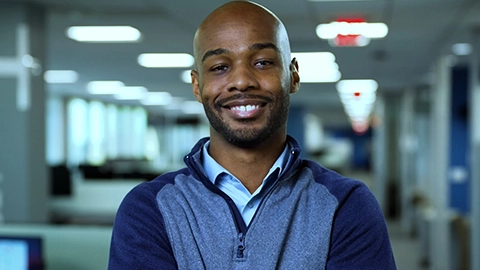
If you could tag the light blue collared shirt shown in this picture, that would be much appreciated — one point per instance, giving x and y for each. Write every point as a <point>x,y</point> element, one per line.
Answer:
<point>246,203</point>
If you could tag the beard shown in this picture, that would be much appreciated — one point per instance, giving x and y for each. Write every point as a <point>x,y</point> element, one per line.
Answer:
<point>249,137</point>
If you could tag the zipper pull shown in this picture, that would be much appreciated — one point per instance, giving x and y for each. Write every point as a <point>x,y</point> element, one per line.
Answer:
<point>241,246</point>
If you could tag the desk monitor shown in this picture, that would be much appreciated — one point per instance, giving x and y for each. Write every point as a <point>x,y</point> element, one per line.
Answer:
<point>21,253</point>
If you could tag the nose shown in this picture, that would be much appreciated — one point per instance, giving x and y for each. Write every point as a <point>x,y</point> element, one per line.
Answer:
<point>243,78</point>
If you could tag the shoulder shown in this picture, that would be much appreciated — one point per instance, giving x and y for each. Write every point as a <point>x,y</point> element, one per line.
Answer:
<point>141,201</point>
<point>359,236</point>
<point>147,191</point>
<point>139,236</point>
<point>355,199</point>
<point>341,187</point>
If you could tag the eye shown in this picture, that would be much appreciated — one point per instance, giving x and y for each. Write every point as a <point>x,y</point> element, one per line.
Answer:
<point>219,68</point>
<point>264,63</point>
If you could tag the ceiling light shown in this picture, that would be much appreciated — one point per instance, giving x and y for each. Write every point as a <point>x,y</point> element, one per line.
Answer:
<point>316,57</point>
<point>131,93</point>
<point>358,113</point>
<point>361,86</point>
<point>104,87</point>
<point>104,34</point>
<point>358,119</point>
<point>462,49</point>
<point>165,60</point>
<point>317,67</point>
<point>372,30</point>
<point>368,30</point>
<point>358,109</point>
<point>319,76</point>
<point>156,99</point>
<point>60,76</point>
<point>305,63</point>
<point>357,97</point>
<point>349,41</point>
<point>186,76</point>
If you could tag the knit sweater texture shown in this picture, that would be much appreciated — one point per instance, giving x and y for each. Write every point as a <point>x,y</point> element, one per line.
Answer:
<point>313,218</point>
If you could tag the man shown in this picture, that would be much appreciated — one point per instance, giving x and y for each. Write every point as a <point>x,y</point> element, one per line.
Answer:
<point>246,200</point>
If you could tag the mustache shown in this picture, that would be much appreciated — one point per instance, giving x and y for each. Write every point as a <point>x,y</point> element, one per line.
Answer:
<point>221,102</point>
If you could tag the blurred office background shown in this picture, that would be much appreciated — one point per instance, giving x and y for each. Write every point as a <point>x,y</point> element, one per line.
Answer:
<point>393,100</point>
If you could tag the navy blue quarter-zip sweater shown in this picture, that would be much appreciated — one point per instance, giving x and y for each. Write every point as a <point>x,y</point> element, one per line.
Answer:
<point>313,218</point>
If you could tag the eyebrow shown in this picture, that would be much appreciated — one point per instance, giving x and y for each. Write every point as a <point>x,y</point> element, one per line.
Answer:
<point>256,47</point>
<point>214,52</point>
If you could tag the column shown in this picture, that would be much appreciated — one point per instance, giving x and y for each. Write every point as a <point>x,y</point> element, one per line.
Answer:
<point>379,153</point>
<point>407,148</point>
<point>439,162</point>
<point>23,171</point>
<point>474,114</point>
<point>458,174</point>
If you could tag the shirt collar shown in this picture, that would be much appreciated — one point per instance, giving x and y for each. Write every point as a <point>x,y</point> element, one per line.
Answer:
<point>213,169</point>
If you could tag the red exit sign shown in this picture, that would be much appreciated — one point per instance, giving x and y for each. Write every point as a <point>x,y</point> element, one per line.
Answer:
<point>350,37</point>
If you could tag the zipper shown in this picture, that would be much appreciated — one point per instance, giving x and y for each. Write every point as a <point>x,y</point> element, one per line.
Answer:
<point>240,246</point>
<point>241,236</point>
<point>240,224</point>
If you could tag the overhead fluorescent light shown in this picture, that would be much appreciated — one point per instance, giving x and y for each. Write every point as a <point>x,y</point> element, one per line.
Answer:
<point>104,87</point>
<point>314,57</point>
<point>361,85</point>
<point>353,109</point>
<point>131,93</point>
<point>156,99</point>
<point>116,88</point>
<point>319,76</point>
<point>185,76</point>
<point>462,49</point>
<point>368,30</point>
<point>103,34</point>
<point>165,60</point>
<point>360,119</point>
<point>60,76</point>
<point>358,97</point>
<point>358,112</point>
<point>317,67</point>
<point>349,41</point>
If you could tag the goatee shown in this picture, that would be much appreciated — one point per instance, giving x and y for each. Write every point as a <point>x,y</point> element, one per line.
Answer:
<point>249,137</point>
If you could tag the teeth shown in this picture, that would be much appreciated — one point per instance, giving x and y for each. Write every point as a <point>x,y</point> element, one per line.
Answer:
<point>245,108</point>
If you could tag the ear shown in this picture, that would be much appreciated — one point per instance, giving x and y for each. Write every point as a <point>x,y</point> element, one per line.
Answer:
<point>295,77</point>
<point>196,85</point>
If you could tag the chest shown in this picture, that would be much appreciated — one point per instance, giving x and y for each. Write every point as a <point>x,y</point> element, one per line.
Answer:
<point>291,227</point>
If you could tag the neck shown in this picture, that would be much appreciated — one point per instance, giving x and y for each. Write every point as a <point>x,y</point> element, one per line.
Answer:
<point>249,165</point>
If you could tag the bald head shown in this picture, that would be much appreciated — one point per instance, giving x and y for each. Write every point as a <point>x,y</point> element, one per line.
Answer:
<point>239,18</point>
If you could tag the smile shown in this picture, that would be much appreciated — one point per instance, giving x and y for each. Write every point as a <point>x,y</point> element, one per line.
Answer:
<point>245,108</point>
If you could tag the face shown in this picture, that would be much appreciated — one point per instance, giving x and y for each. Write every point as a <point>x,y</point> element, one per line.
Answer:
<point>242,78</point>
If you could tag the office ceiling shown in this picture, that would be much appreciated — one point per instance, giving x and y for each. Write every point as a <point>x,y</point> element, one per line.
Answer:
<point>419,32</point>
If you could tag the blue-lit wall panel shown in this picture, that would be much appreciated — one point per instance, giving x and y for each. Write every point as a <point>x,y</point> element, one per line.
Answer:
<point>459,176</point>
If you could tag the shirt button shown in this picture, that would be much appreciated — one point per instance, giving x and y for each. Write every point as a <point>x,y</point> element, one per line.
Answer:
<point>250,205</point>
